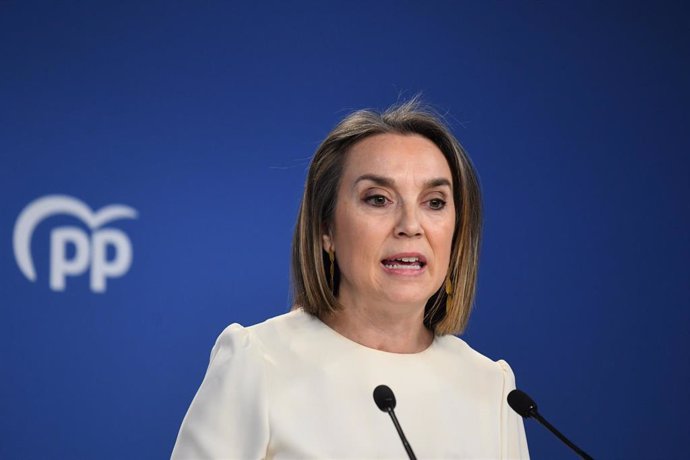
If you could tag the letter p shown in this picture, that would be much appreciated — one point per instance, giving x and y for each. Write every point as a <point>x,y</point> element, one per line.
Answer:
<point>101,267</point>
<point>60,266</point>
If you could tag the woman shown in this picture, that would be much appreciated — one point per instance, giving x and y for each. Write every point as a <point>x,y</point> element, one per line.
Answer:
<point>384,270</point>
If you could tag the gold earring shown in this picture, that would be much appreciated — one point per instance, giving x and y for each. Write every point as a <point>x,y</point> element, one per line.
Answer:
<point>449,290</point>
<point>331,257</point>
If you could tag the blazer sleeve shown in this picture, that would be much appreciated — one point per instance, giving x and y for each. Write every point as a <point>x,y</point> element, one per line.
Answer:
<point>228,418</point>
<point>513,438</point>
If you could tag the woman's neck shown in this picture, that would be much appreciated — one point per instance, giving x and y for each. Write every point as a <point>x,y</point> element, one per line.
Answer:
<point>382,329</point>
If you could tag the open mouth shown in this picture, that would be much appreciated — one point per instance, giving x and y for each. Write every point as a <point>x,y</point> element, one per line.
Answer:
<point>404,263</point>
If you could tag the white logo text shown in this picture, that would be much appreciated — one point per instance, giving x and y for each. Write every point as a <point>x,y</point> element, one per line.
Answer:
<point>88,251</point>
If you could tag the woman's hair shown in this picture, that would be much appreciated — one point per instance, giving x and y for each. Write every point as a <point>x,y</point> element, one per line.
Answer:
<point>310,262</point>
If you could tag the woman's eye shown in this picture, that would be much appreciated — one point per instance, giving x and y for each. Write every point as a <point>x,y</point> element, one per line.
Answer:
<point>437,204</point>
<point>377,200</point>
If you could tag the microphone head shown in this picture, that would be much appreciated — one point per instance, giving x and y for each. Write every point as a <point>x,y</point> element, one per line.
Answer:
<point>522,403</point>
<point>384,398</point>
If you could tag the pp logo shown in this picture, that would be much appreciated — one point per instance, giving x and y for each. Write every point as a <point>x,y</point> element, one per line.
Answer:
<point>89,250</point>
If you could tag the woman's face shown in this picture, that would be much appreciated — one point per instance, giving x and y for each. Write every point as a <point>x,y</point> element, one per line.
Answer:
<point>394,221</point>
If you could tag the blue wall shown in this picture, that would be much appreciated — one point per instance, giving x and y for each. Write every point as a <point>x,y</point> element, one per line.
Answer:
<point>202,116</point>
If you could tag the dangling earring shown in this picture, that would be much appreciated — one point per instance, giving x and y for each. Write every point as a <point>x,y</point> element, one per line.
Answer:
<point>331,257</point>
<point>449,291</point>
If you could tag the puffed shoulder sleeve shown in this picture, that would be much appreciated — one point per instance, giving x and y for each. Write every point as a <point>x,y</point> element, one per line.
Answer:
<point>513,439</point>
<point>228,418</point>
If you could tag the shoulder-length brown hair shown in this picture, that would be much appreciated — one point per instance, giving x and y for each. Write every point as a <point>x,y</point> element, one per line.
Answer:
<point>310,263</point>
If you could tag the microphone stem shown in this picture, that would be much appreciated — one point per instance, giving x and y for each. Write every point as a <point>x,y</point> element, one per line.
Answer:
<point>408,449</point>
<point>560,436</point>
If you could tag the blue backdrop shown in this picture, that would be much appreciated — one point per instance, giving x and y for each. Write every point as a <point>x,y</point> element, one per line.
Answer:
<point>199,118</point>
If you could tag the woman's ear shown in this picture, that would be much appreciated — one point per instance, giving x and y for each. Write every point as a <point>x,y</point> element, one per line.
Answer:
<point>326,238</point>
<point>327,242</point>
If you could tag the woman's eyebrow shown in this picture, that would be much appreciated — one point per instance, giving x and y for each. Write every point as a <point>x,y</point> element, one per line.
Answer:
<point>438,182</point>
<point>378,180</point>
<point>388,182</point>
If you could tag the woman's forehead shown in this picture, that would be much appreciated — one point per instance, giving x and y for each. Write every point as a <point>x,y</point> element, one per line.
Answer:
<point>396,157</point>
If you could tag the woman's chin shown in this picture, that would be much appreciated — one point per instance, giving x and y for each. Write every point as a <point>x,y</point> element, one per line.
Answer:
<point>414,300</point>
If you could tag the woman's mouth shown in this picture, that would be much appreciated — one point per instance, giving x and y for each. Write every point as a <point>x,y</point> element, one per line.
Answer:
<point>406,263</point>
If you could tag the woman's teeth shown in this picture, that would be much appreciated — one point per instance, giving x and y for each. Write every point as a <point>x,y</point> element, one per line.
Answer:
<point>403,263</point>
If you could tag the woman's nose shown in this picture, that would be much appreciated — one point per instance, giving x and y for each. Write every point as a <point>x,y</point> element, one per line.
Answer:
<point>408,224</point>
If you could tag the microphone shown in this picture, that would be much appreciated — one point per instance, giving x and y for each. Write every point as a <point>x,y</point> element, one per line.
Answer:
<point>521,403</point>
<point>385,400</point>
